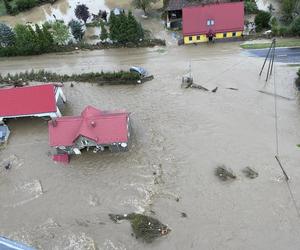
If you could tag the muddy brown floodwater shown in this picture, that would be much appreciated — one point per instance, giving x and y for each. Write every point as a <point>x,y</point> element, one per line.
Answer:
<point>181,135</point>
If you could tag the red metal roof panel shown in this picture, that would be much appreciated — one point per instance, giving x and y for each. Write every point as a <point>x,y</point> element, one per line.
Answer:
<point>101,127</point>
<point>227,17</point>
<point>27,100</point>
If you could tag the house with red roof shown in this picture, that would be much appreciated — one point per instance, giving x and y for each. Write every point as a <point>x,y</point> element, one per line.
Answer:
<point>94,129</point>
<point>218,20</point>
<point>31,101</point>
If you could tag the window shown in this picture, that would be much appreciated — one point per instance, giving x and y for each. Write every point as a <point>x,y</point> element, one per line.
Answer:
<point>198,37</point>
<point>191,38</point>
<point>224,34</point>
<point>210,22</point>
<point>233,34</point>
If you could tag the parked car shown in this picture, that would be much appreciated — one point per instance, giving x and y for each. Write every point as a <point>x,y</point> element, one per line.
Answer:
<point>144,75</point>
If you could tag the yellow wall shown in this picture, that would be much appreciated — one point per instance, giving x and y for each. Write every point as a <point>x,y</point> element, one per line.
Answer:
<point>203,38</point>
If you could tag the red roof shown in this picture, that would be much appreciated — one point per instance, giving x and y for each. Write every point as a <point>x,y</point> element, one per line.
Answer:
<point>99,126</point>
<point>27,100</point>
<point>227,17</point>
<point>62,158</point>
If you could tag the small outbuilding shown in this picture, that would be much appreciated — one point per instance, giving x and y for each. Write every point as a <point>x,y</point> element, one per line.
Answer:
<point>94,129</point>
<point>31,101</point>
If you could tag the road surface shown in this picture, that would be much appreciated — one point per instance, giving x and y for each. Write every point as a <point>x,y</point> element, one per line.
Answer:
<point>284,55</point>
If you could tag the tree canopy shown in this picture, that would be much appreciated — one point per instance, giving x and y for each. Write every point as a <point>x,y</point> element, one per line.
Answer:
<point>143,4</point>
<point>82,12</point>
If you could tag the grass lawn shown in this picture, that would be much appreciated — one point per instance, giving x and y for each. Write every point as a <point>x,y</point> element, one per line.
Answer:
<point>289,42</point>
<point>2,8</point>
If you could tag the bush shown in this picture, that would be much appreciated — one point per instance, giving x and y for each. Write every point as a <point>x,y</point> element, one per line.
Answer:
<point>250,7</point>
<point>7,36</point>
<point>59,31</point>
<point>22,5</point>
<point>262,20</point>
<point>76,29</point>
<point>295,28</point>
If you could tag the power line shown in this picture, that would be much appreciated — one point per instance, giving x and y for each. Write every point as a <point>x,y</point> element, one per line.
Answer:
<point>271,69</point>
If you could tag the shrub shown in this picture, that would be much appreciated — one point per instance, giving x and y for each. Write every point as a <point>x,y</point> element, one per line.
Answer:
<point>250,7</point>
<point>7,36</point>
<point>262,20</point>
<point>76,29</point>
<point>22,5</point>
<point>59,31</point>
<point>295,27</point>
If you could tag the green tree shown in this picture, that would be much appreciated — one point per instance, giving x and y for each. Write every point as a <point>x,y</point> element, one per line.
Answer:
<point>143,4</point>
<point>113,27</point>
<point>8,7</point>
<point>76,29</point>
<point>134,30</point>
<point>262,20</point>
<point>82,12</point>
<point>295,28</point>
<point>250,7</point>
<point>7,36</point>
<point>59,31</point>
<point>288,8</point>
<point>123,26</point>
<point>22,5</point>
<point>104,33</point>
<point>26,42</point>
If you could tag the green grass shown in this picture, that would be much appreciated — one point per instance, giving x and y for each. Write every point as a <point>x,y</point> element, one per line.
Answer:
<point>280,43</point>
<point>2,8</point>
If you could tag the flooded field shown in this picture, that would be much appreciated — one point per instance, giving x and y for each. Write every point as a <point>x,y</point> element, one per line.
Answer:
<point>180,137</point>
<point>64,9</point>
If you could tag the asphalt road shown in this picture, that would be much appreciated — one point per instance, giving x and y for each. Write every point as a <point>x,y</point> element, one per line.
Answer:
<point>284,55</point>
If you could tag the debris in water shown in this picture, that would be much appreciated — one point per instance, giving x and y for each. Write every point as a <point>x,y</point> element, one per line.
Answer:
<point>224,174</point>
<point>215,90</point>
<point>250,173</point>
<point>183,215</point>
<point>7,166</point>
<point>177,199</point>
<point>145,227</point>
<point>232,88</point>
<point>72,85</point>
<point>198,86</point>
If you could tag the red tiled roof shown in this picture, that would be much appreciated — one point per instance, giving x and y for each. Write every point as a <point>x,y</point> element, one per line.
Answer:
<point>27,100</point>
<point>227,17</point>
<point>101,127</point>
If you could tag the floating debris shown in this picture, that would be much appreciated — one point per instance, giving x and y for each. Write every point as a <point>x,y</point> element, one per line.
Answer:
<point>145,227</point>
<point>233,89</point>
<point>183,215</point>
<point>250,173</point>
<point>215,90</point>
<point>198,86</point>
<point>7,166</point>
<point>224,174</point>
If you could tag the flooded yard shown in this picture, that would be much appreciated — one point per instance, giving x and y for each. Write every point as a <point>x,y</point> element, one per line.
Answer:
<point>179,137</point>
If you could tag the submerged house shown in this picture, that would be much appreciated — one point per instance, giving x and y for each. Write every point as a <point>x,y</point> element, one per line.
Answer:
<point>31,101</point>
<point>206,22</point>
<point>93,129</point>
